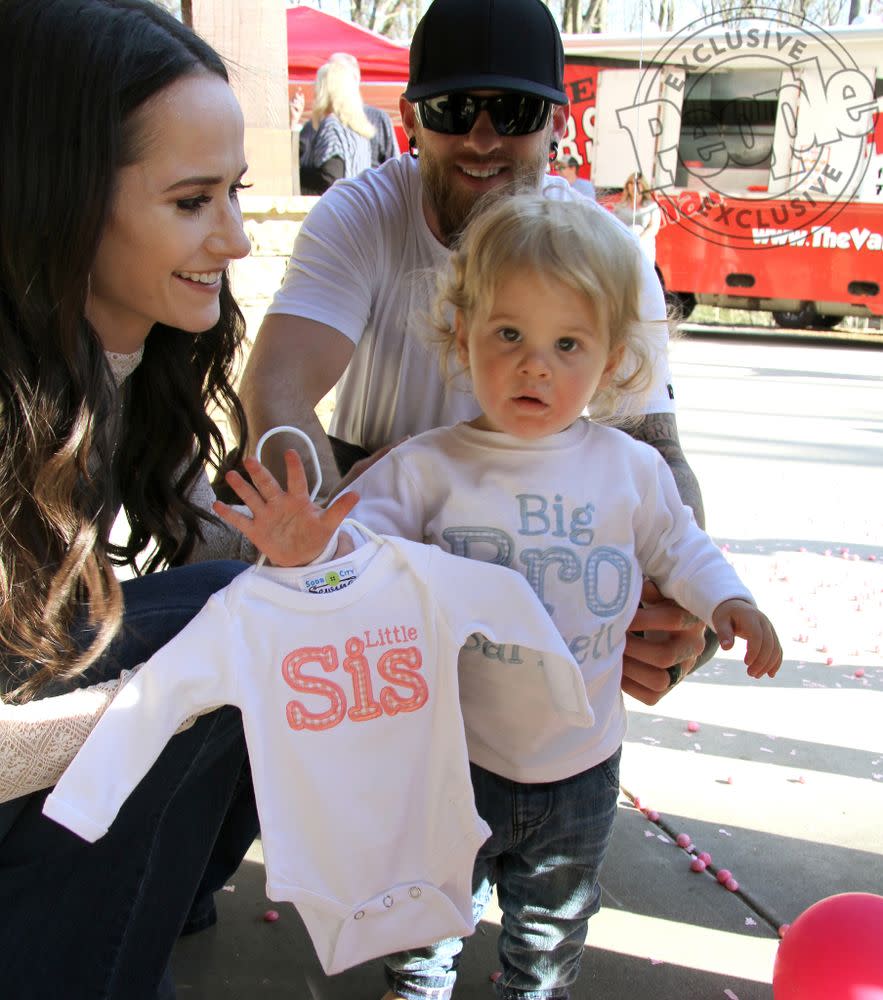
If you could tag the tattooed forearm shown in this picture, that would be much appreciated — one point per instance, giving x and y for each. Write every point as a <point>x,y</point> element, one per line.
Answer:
<point>688,487</point>
<point>661,431</point>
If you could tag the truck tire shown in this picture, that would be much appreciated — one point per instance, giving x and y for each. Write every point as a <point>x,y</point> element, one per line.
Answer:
<point>801,319</point>
<point>823,321</point>
<point>806,318</point>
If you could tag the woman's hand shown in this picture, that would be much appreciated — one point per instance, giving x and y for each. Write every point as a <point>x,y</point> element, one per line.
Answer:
<point>296,107</point>
<point>286,525</point>
<point>653,664</point>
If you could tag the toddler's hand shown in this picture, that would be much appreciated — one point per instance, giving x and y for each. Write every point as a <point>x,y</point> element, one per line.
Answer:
<point>739,618</point>
<point>286,526</point>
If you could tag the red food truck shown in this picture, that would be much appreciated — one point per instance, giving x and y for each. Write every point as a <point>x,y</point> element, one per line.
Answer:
<point>762,141</point>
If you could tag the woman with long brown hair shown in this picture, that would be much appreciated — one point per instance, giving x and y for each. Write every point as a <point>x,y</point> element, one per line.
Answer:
<point>122,157</point>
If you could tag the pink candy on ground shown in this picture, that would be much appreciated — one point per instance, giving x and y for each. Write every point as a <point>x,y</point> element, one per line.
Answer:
<point>653,815</point>
<point>683,840</point>
<point>692,727</point>
<point>271,916</point>
<point>859,672</point>
<point>705,856</point>
<point>723,875</point>
<point>698,865</point>
<point>731,884</point>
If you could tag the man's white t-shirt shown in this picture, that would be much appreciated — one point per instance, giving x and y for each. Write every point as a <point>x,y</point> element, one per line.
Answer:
<point>365,263</point>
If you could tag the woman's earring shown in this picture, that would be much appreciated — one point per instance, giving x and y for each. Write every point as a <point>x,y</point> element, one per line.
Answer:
<point>412,147</point>
<point>553,151</point>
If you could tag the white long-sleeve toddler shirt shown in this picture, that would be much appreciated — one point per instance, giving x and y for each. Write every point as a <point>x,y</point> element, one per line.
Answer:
<point>583,515</point>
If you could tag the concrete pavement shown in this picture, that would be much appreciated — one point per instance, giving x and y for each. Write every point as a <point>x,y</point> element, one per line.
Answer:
<point>662,932</point>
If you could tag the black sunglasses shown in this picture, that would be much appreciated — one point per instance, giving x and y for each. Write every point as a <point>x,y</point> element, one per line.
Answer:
<point>511,114</point>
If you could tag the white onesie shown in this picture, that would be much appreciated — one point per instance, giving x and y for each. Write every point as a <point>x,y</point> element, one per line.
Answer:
<point>346,676</point>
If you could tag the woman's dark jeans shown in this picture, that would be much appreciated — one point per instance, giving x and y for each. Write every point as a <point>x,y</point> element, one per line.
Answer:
<point>84,921</point>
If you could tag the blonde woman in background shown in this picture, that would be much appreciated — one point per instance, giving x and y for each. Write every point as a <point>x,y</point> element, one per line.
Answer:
<point>637,209</point>
<point>335,143</point>
<point>383,144</point>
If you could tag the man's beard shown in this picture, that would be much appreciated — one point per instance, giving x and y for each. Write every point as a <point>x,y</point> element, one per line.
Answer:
<point>453,205</point>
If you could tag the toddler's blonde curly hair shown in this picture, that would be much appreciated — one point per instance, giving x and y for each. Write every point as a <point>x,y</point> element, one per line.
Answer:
<point>575,242</point>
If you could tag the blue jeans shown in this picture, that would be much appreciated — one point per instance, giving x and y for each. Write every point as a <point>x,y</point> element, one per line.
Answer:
<point>544,854</point>
<point>100,920</point>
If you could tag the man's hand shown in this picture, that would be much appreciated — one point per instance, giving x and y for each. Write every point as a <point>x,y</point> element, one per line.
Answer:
<point>286,526</point>
<point>654,663</point>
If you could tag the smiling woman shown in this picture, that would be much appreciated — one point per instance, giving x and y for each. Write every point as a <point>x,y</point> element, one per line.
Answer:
<point>175,223</point>
<point>122,157</point>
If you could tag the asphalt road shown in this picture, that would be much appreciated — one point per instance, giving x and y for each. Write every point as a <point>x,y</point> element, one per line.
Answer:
<point>784,434</point>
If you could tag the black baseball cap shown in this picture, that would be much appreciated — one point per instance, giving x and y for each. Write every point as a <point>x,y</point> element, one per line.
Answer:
<point>494,44</point>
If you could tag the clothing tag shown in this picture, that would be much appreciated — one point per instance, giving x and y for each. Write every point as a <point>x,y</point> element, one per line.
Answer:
<point>327,581</point>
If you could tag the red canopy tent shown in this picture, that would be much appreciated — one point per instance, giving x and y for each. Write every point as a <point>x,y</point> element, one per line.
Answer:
<point>313,36</point>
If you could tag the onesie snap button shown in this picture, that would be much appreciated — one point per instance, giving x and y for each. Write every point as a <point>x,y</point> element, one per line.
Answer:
<point>388,901</point>
<point>415,892</point>
<point>359,915</point>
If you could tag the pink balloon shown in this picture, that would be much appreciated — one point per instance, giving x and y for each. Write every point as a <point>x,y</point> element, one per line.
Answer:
<point>832,951</point>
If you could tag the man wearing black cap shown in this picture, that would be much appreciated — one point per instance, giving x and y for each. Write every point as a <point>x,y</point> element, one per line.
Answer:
<point>484,110</point>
